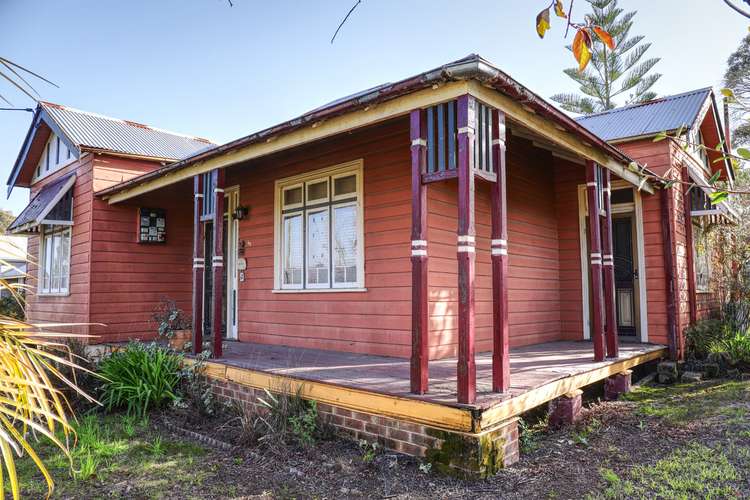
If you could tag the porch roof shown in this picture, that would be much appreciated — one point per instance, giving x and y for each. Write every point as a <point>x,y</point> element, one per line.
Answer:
<point>472,67</point>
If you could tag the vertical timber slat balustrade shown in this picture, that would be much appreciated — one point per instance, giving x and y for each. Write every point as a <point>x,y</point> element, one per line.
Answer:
<point>198,264</point>
<point>499,252</point>
<point>466,250</point>
<point>613,348</point>
<point>419,314</point>
<point>595,250</point>
<point>218,262</point>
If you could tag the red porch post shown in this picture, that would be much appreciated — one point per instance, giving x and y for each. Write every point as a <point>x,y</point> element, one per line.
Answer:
<point>595,250</point>
<point>465,250</point>
<point>689,244</point>
<point>198,265</point>
<point>500,349</point>
<point>218,262</point>
<point>613,348</point>
<point>419,319</point>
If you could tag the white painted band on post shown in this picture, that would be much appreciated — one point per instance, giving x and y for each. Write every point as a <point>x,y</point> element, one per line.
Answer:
<point>465,249</point>
<point>419,243</point>
<point>466,130</point>
<point>595,254</point>
<point>609,263</point>
<point>596,261</point>
<point>466,238</point>
<point>498,142</point>
<point>199,259</point>
<point>499,251</point>
<point>419,253</point>
<point>217,264</point>
<point>198,266</point>
<point>218,258</point>
<point>218,190</point>
<point>419,142</point>
<point>591,184</point>
<point>199,195</point>
<point>500,243</point>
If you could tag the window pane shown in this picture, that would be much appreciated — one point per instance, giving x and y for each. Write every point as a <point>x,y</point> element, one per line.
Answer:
<point>345,185</point>
<point>56,260</point>
<point>345,244</point>
<point>317,247</point>
<point>65,264</point>
<point>317,191</point>
<point>47,264</point>
<point>293,196</point>
<point>292,250</point>
<point>621,196</point>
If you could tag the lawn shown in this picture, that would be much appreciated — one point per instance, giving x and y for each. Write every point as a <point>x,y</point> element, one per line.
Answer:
<point>683,441</point>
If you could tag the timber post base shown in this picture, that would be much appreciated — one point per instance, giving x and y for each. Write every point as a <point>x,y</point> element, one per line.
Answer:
<point>565,410</point>
<point>617,384</point>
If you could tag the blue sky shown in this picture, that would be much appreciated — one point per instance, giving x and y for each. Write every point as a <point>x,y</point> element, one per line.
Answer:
<point>201,67</point>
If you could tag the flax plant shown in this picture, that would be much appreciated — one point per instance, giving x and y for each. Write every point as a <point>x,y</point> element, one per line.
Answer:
<point>32,404</point>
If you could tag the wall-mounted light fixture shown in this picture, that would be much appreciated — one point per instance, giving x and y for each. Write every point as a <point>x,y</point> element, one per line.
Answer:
<point>240,213</point>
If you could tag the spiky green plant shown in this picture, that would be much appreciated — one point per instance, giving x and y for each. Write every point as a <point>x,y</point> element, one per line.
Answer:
<point>32,404</point>
<point>611,74</point>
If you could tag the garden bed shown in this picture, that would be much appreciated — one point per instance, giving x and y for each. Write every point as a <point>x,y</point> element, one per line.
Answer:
<point>684,440</point>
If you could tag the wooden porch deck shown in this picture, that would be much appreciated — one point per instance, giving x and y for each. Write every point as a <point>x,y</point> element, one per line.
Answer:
<point>533,369</point>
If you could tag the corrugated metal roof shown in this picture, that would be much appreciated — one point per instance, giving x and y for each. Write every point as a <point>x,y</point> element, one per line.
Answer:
<point>90,130</point>
<point>648,118</point>
<point>42,203</point>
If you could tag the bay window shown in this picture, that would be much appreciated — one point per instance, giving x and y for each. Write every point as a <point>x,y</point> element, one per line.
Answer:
<point>319,230</point>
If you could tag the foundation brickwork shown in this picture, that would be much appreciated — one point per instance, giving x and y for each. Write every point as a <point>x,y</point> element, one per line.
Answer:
<point>463,454</point>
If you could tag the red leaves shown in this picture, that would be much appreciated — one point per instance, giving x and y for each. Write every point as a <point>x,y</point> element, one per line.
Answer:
<point>582,48</point>
<point>605,37</point>
<point>542,22</point>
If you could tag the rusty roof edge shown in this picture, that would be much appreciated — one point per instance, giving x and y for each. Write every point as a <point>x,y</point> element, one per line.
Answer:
<point>470,67</point>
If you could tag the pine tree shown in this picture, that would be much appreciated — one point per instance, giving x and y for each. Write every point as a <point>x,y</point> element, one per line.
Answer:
<point>612,73</point>
<point>737,78</point>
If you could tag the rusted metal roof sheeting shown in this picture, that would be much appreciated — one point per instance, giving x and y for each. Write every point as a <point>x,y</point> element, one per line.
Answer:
<point>642,120</point>
<point>97,132</point>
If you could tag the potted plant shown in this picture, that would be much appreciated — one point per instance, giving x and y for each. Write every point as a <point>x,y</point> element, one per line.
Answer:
<point>172,324</point>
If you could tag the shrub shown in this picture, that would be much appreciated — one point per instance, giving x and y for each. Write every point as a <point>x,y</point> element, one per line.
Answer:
<point>11,307</point>
<point>287,416</point>
<point>140,377</point>
<point>736,346</point>
<point>168,318</point>
<point>195,389</point>
<point>702,335</point>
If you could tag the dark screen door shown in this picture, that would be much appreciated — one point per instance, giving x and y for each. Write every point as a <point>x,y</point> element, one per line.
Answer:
<point>208,310</point>
<point>625,273</point>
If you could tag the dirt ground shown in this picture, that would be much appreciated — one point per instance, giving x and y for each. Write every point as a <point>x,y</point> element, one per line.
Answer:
<point>684,441</point>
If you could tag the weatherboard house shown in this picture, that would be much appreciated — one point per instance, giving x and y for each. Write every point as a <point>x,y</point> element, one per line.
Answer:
<point>427,259</point>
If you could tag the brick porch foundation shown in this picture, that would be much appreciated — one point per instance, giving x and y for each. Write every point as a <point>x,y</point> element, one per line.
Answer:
<point>566,409</point>
<point>617,384</point>
<point>457,453</point>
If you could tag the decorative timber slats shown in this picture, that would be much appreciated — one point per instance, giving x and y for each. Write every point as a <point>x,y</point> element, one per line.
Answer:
<point>441,140</point>
<point>463,139</point>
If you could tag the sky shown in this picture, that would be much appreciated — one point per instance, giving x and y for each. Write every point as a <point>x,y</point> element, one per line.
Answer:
<point>203,68</point>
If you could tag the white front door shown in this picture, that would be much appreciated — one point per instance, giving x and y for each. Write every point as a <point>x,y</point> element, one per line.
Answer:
<point>232,201</point>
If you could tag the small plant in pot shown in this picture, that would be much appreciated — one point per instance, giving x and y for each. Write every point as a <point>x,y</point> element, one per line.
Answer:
<point>172,324</point>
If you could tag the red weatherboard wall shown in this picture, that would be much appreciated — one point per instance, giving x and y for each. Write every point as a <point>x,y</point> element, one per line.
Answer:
<point>72,308</point>
<point>544,285</point>
<point>377,321</point>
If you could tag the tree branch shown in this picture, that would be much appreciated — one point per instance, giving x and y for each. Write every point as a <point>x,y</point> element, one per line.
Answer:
<point>737,9</point>
<point>345,18</point>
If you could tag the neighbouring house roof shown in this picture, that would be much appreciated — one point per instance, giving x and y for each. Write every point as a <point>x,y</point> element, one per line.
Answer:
<point>83,131</point>
<point>471,67</point>
<point>42,204</point>
<point>12,269</point>
<point>665,114</point>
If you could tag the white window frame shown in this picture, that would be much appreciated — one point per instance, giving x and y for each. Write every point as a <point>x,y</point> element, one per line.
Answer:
<point>341,170</point>
<point>47,233</point>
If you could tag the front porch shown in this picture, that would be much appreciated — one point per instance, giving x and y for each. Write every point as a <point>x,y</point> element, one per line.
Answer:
<point>380,385</point>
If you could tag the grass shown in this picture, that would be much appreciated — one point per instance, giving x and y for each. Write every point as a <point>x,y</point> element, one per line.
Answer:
<point>683,403</point>
<point>110,449</point>
<point>695,471</point>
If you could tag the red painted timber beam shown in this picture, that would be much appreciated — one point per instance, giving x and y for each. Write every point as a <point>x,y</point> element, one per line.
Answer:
<point>198,265</point>
<point>499,251</point>
<point>218,262</point>
<point>613,348</point>
<point>467,384</point>
<point>419,318</point>
<point>689,244</point>
<point>595,250</point>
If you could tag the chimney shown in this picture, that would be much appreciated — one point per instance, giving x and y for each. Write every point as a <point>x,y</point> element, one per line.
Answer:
<point>727,128</point>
